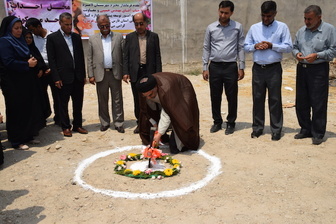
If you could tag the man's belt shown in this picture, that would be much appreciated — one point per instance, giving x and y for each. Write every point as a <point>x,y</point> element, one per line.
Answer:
<point>141,66</point>
<point>266,65</point>
<point>304,65</point>
<point>108,69</point>
<point>222,63</point>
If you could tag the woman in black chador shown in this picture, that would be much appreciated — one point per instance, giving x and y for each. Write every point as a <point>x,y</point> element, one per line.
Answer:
<point>19,84</point>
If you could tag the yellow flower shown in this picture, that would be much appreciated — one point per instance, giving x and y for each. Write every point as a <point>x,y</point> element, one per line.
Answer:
<point>136,172</point>
<point>175,161</point>
<point>127,171</point>
<point>168,172</point>
<point>120,162</point>
<point>132,154</point>
<point>176,166</point>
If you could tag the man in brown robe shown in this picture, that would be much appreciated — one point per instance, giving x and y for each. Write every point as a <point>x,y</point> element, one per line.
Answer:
<point>176,96</point>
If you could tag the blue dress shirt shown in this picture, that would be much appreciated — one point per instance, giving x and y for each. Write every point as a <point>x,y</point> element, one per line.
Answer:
<point>277,33</point>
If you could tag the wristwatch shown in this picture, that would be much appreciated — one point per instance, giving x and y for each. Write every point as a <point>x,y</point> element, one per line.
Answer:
<point>317,56</point>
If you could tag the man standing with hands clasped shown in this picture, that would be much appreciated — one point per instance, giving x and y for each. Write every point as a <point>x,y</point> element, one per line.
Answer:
<point>267,40</point>
<point>105,70</point>
<point>314,47</point>
<point>222,49</point>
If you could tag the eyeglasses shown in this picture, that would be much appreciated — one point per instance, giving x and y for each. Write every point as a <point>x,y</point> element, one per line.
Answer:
<point>139,24</point>
<point>104,26</point>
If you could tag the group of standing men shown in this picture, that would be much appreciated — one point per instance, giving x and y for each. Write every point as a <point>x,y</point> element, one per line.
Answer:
<point>110,60</point>
<point>314,47</point>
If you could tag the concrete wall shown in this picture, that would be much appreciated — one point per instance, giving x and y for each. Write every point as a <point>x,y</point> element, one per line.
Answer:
<point>182,36</point>
<point>181,24</point>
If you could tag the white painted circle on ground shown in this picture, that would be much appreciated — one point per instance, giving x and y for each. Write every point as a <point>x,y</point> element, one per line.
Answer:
<point>213,171</point>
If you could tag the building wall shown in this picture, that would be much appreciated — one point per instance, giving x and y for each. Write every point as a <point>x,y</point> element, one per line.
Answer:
<point>181,24</point>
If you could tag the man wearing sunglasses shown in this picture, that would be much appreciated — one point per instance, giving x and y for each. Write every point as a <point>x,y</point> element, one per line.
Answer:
<point>104,60</point>
<point>142,56</point>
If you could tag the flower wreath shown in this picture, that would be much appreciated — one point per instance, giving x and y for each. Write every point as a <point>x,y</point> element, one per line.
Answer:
<point>120,167</point>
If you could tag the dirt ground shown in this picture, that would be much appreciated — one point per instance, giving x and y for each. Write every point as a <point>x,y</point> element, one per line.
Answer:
<point>261,181</point>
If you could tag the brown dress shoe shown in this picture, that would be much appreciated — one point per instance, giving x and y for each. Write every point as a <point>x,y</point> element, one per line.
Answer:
<point>67,132</point>
<point>80,130</point>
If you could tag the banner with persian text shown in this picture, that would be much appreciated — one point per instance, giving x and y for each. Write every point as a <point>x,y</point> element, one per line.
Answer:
<point>84,13</point>
<point>46,11</point>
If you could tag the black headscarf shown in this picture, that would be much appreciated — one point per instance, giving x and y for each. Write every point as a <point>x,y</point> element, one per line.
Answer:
<point>19,44</point>
<point>34,51</point>
<point>25,31</point>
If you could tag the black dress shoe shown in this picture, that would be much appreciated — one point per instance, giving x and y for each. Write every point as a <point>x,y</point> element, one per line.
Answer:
<point>276,136</point>
<point>230,128</point>
<point>215,128</point>
<point>120,129</point>
<point>136,130</point>
<point>317,141</point>
<point>302,135</point>
<point>104,128</point>
<point>256,134</point>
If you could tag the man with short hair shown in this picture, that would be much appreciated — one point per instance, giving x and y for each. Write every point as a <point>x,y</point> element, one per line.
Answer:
<point>141,56</point>
<point>314,47</point>
<point>222,50</point>
<point>40,39</point>
<point>179,108</point>
<point>66,61</point>
<point>107,47</point>
<point>267,40</point>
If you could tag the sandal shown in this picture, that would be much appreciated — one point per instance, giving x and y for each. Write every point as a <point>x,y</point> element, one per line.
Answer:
<point>22,147</point>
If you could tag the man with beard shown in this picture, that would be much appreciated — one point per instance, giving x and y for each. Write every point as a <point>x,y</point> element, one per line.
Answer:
<point>175,95</point>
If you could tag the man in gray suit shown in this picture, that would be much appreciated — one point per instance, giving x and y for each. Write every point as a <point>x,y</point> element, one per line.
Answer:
<point>104,61</point>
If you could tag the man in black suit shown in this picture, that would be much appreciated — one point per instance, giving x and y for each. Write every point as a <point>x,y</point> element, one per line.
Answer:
<point>142,56</point>
<point>66,61</point>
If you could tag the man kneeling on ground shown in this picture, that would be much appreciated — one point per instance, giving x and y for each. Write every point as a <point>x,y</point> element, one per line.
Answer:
<point>175,95</point>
